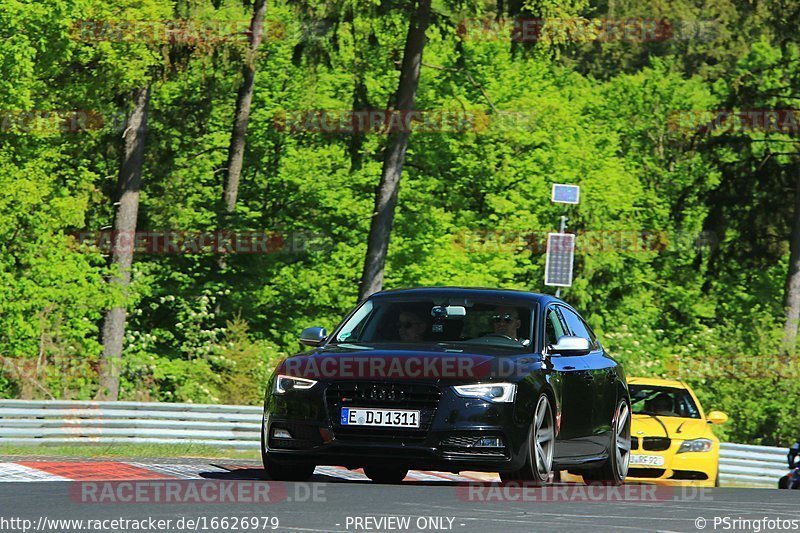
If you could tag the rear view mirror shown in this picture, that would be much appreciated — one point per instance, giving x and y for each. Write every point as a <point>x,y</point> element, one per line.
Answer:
<point>717,417</point>
<point>569,345</point>
<point>440,311</point>
<point>313,336</point>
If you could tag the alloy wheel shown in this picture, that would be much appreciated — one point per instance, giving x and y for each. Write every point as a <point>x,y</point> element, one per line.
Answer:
<point>622,439</point>
<point>543,438</point>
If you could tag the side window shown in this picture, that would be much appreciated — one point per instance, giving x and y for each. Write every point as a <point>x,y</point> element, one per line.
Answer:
<point>592,337</point>
<point>576,325</point>
<point>354,328</point>
<point>553,329</point>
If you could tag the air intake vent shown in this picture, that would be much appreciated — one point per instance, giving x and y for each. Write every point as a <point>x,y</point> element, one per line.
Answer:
<point>656,444</point>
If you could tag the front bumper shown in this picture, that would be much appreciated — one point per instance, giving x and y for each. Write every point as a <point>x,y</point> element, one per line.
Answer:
<point>697,469</point>
<point>449,428</point>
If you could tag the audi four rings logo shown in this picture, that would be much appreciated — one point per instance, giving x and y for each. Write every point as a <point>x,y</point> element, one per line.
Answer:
<point>376,392</point>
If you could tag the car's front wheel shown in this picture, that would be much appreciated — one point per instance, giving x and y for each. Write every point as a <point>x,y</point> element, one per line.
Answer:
<point>615,469</point>
<point>283,470</point>
<point>287,471</point>
<point>539,452</point>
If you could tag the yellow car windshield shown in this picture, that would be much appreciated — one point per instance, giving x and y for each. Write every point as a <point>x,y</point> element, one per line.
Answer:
<point>663,401</point>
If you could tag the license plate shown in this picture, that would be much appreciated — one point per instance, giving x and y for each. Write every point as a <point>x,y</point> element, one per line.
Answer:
<point>358,416</point>
<point>647,460</point>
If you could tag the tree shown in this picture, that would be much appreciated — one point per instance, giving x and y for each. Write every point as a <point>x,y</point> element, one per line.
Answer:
<point>129,184</point>
<point>792,291</point>
<point>243,102</point>
<point>394,155</point>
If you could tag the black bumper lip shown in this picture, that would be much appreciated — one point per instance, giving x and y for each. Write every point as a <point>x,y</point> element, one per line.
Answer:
<point>411,457</point>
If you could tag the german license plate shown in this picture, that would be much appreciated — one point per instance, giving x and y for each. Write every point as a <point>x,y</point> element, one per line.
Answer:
<point>358,416</point>
<point>647,460</point>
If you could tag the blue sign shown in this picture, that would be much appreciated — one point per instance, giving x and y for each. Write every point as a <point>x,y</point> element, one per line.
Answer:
<point>566,194</point>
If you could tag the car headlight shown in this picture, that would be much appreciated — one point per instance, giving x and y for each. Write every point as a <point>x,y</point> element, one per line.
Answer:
<point>695,445</point>
<point>491,392</point>
<point>286,383</point>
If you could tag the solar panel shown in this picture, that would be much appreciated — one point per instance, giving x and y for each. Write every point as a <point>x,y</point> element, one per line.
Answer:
<point>558,262</point>
<point>566,194</point>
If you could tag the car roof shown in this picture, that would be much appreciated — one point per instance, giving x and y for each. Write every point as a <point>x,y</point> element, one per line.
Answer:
<point>658,382</point>
<point>476,292</point>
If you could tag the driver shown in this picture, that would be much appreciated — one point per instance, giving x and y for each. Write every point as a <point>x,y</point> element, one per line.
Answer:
<point>661,405</point>
<point>506,321</point>
<point>410,327</point>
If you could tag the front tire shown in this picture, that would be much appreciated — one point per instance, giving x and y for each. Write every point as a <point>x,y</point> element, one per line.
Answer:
<point>280,470</point>
<point>287,471</point>
<point>615,469</point>
<point>538,465</point>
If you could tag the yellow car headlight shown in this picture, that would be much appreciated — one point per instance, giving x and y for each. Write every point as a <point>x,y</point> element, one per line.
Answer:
<point>695,445</point>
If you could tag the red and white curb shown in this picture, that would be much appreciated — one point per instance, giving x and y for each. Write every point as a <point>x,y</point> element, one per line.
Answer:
<point>118,470</point>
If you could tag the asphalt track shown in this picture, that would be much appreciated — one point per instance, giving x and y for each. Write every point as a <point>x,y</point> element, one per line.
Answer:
<point>340,500</point>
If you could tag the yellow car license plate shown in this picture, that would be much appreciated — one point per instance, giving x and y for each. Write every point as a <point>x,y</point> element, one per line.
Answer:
<point>647,460</point>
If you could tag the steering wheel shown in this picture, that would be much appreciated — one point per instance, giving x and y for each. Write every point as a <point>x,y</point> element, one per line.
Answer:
<point>500,335</point>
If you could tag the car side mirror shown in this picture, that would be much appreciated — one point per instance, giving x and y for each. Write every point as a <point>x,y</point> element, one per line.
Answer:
<point>313,336</point>
<point>716,417</point>
<point>569,345</point>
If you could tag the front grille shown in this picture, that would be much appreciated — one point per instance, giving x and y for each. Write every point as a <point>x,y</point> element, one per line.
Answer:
<point>482,452</point>
<point>463,445</point>
<point>656,444</point>
<point>289,444</point>
<point>646,472</point>
<point>424,398</point>
<point>459,441</point>
<point>689,474</point>
<point>634,443</point>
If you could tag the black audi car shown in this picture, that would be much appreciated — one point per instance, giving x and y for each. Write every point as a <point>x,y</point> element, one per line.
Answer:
<point>450,379</point>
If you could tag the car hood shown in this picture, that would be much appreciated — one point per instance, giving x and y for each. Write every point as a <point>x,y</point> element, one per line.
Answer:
<point>676,427</point>
<point>396,362</point>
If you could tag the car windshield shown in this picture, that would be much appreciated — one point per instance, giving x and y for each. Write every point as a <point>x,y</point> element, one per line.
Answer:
<point>451,321</point>
<point>663,401</point>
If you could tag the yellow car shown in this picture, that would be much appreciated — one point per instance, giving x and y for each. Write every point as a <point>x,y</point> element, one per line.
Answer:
<point>671,438</point>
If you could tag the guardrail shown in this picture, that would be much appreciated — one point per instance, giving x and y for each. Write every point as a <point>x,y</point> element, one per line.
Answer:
<point>236,426</point>
<point>73,422</point>
<point>760,466</point>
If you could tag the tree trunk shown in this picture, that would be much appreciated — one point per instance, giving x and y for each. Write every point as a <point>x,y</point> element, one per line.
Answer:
<point>792,291</point>
<point>130,180</point>
<point>243,102</point>
<point>360,103</point>
<point>386,195</point>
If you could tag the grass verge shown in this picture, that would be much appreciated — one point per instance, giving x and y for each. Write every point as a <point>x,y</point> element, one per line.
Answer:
<point>128,450</point>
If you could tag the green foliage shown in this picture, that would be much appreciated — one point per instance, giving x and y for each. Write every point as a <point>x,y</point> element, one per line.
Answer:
<point>682,237</point>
